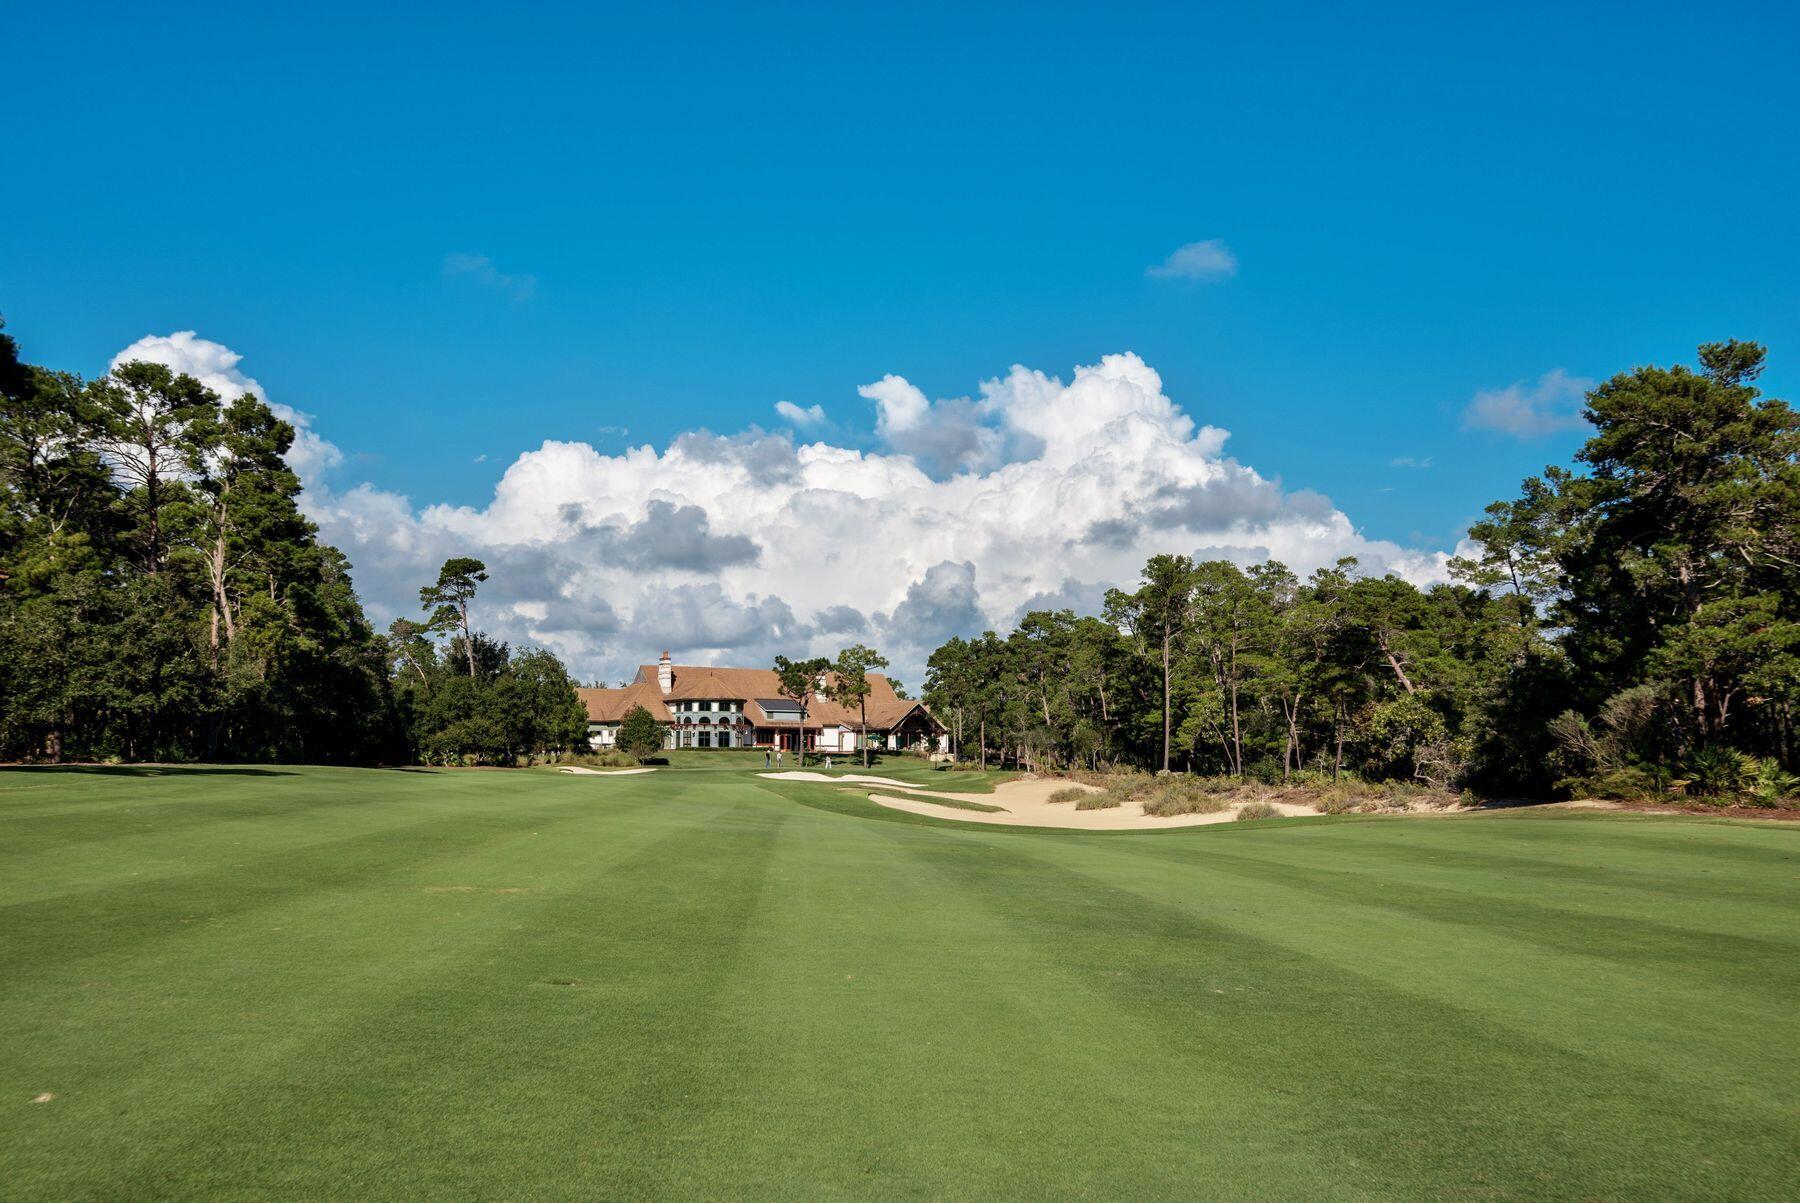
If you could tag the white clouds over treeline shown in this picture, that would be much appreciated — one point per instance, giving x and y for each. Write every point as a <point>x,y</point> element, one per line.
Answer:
<point>216,366</point>
<point>730,548</point>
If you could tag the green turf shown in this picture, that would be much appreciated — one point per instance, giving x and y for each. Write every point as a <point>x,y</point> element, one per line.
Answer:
<point>359,984</point>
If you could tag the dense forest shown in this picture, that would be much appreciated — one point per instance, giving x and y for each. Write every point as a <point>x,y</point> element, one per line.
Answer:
<point>162,597</point>
<point>1628,626</point>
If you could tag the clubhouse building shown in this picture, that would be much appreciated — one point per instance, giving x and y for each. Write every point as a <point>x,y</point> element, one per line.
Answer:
<point>743,708</point>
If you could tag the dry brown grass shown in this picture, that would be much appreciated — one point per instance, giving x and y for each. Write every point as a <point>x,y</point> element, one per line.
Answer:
<point>1185,794</point>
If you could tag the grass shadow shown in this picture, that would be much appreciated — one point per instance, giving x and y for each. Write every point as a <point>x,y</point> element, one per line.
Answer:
<point>151,770</point>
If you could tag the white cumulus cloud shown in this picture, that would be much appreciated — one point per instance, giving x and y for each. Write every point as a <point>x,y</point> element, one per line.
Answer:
<point>1528,411</point>
<point>812,415</point>
<point>899,405</point>
<point>216,366</point>
<point>1210,259</point>
<point>732,548</point>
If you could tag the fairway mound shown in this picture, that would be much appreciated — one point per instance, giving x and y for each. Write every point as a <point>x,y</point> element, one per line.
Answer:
<point>586,772</point>
<point>1026,803</point>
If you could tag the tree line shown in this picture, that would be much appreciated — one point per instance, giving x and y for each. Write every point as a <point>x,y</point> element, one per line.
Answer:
<point>162,597</point>
<point>463,697</point>
<point>1625,623</point>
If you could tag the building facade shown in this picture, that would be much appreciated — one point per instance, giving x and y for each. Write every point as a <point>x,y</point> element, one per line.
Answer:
<point>702,707</point>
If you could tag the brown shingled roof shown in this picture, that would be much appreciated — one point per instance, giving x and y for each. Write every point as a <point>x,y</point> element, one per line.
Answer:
<point>612,705</point>
<point>705,683</point>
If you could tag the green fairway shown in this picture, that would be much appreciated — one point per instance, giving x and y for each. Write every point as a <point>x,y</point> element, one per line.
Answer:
<point>524,984</point>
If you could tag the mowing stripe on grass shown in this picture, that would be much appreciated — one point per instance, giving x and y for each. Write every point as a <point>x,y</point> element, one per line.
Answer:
<point>702,983</point>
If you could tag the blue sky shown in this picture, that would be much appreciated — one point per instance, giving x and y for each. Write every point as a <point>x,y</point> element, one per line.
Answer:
<point>688,213</point>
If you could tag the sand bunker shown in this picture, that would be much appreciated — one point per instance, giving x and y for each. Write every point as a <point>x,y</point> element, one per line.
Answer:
<point>855,778</point>
<point>1026,803</point>
<point>1604,804</point>
<point>587,772</point>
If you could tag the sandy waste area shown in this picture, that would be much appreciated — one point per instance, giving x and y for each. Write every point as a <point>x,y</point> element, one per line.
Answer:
<point>1025,803</point>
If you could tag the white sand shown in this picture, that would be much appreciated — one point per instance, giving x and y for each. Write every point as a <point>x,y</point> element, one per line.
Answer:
<point>1026,803</point>
<point>587,772</point>
<point>1604,804</point>
<point>801,775</point>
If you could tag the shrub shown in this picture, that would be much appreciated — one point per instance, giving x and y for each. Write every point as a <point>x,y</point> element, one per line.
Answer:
<point>1440,764</point>
<point>1715,771</point>
<point>1398,731</point>
<point>1619,785</point>
<point>1256,810</point>
<point>639,733</point>
<point>1092,801</point>
<point>1637,722</point>
<point>1267,770</point>
<point>1185,796</point>
<point>1128,787</point>
<point>1075,794</point>
<point>1634,727</point>
<point>1774,785</point>
<point>611,759</point>
<point>1578,748</point>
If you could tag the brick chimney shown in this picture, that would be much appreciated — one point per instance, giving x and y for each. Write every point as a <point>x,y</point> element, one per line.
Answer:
<point>665,674</point>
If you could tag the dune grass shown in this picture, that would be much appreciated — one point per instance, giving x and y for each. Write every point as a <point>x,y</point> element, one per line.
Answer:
<point>478,984</point>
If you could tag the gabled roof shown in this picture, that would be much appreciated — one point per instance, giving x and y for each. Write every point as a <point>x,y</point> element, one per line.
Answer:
<point>757,688</point>
<point>705,681</point>
<point>612,705</point>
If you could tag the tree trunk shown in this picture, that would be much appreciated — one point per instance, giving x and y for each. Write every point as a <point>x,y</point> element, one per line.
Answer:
<point>1291,754</point>
<point>1690,594</point>
<point>1337,732</point>
<point>1166,698</point>
<point>153,527</point>
<point>1394,663</point>
<point>1237,730</point>
<point>215,571</point>
<point>469,648</point>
